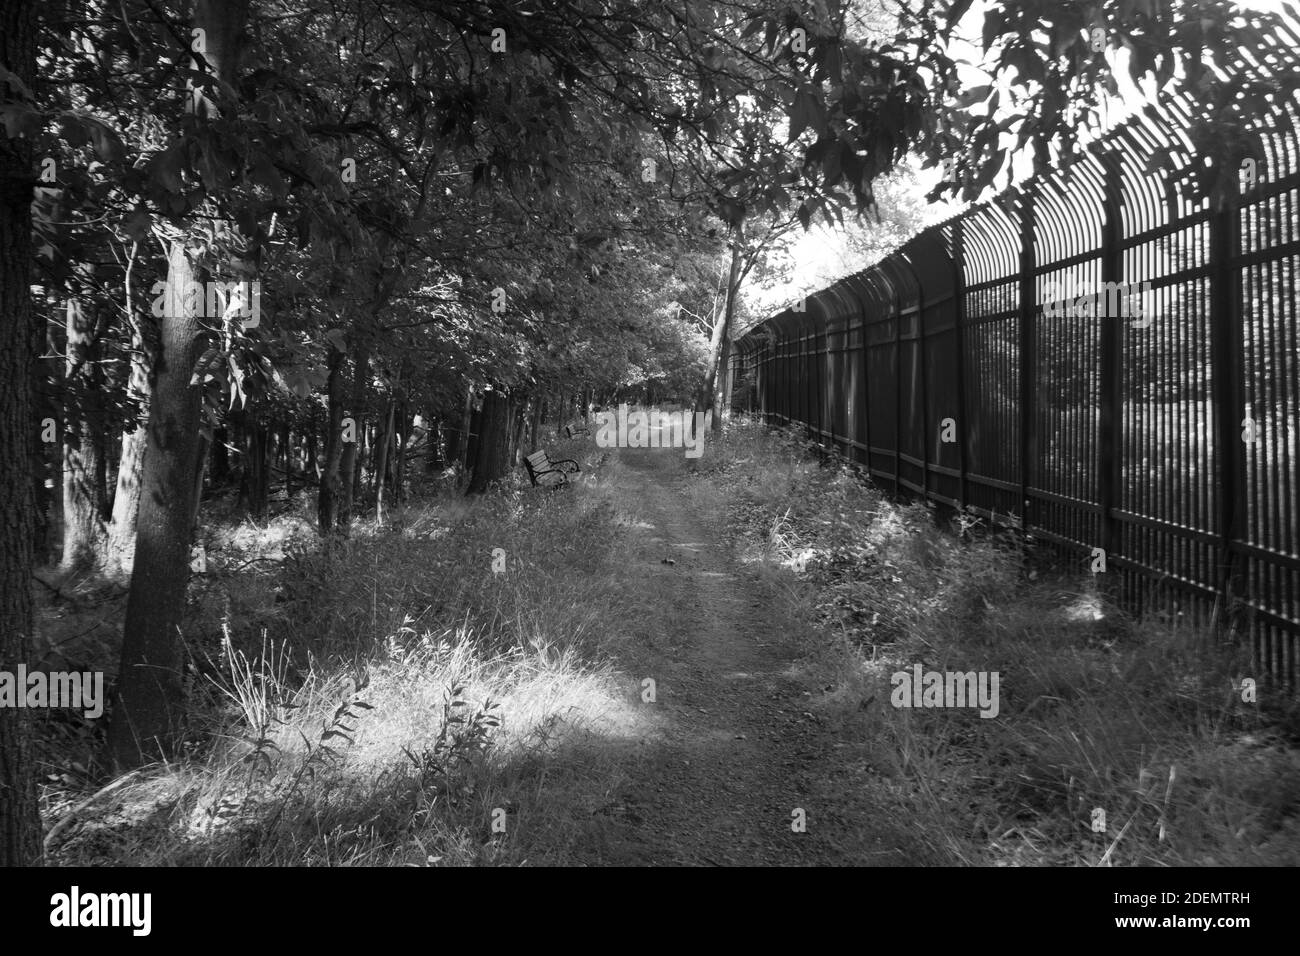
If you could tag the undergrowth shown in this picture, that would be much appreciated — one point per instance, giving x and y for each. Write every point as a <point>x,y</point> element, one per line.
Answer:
<point>390,698</point>
<point>1118,741</point>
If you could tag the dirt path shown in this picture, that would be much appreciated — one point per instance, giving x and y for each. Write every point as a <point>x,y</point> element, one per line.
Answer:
<point>739,750</point>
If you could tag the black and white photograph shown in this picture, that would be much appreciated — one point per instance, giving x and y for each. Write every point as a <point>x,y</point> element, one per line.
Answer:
<point>647,434</point>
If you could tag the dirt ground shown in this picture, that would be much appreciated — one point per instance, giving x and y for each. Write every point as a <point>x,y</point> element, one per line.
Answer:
<point>739,758</point>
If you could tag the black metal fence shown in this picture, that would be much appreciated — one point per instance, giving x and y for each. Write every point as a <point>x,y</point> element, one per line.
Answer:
<point>1093,357</point>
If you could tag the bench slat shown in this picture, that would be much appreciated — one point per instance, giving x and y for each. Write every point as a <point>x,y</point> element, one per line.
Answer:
<point>539,463</point>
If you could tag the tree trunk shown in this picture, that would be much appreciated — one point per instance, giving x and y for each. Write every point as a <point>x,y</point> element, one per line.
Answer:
<point>401,442</point>
<point>721,398</point>
<point>261,461</point>
<point>433,462</point>
<point>312,465</point>
<point>286,440</point>
<point>519,413</point>
<point>383,445</point>
<point>85,499</point>
<point>148,710</point>
<point>147,713</point>
<point>330,491</point>
<point>265,461</point>
<point>205,444</point>
<point>350,469</point>
<point>47,468</point>
<point>379,444</point>
<point>458,443</point>
<point>454,431</point>
<point>473,429</point>
<point>490,452</point>
<point>219,469</point>
<point>238,419</point>
<point>534,432</point>
<point>365,452</point>
<point>721,329</point>
<point>20,338</point>
<point>119,553</point>
<point>255,477</point>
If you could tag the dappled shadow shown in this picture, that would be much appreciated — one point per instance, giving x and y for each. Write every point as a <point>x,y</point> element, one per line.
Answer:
<point>704,751</point>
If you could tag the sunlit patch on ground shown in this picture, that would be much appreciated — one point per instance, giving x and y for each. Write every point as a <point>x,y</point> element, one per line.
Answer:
<point>1084,610</point>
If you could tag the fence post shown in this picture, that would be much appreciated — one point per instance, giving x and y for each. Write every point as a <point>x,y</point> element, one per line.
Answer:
<point>1227,394</point>
<point>771,369</point>
<point>898,393</point>
<point>783,379</point>
<point>866,392</point>
<point>822,343</point>
<point>959,343</point>
<point>778,378</point>
<point>1110,399</point>
<point>923,386</point>
<point>787,391</point>
<point>810,381</point>
<point>1028,358</point>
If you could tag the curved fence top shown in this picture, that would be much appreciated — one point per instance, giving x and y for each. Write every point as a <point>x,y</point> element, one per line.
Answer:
<point>1153,419</point>
<point>1145,151</point>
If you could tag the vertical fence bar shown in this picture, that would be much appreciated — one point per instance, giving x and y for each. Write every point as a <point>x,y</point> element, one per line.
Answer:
<point>1227,390</point>
<point>777,376</point>
<point>784,388</point>
<point>787,391</point>
<point>820,357</point>
<point>1028,358</point>
<point>959,343</point>
<point>866,390</point>
<point>898,394</point>
<point>1108,420</point>
<point>923,386</point>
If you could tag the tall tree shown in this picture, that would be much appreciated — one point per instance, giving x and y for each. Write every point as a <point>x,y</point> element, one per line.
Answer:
<point>20,339</point>
<point>148,708</point>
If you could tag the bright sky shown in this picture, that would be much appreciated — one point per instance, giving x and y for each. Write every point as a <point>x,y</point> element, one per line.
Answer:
<point>824,254</point>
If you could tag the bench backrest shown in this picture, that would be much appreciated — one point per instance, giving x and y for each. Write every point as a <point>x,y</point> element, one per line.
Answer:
<point>538,460</point>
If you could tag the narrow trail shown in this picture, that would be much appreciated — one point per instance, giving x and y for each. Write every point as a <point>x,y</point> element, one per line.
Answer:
<point>738,750</point>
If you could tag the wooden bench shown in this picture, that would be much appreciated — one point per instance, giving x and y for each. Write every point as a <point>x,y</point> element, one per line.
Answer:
<point>578,429</point>
<point>539,465</point>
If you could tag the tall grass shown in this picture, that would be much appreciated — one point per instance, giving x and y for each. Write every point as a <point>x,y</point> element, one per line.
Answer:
<point>1143,721</point>
<point>389,699</point>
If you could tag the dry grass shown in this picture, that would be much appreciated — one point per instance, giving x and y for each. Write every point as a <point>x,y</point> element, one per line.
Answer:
<point>1141,719</point>
<point>390,700</point>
